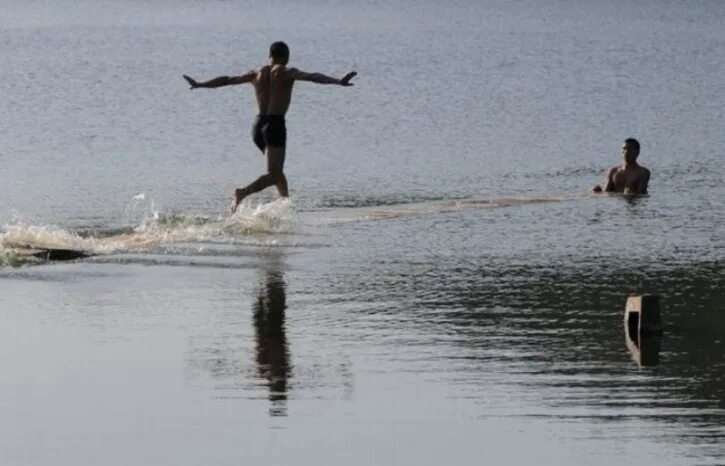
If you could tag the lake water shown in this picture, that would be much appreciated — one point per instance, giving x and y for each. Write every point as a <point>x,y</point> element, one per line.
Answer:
<point>441,289</point>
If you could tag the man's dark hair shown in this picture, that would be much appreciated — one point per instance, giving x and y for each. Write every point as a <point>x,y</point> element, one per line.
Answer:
<point>279,51</point>
<point>634,143</point>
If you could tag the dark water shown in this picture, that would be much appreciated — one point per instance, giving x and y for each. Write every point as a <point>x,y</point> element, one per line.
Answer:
<point>441,290</point>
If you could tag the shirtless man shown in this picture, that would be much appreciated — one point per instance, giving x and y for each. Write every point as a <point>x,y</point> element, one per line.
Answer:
<point>273,87</point>
<point>630,177</point>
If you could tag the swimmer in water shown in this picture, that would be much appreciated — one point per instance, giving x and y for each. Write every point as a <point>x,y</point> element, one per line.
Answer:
<point>629,177</point>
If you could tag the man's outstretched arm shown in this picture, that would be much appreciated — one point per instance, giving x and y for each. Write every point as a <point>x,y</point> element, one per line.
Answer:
<point>320,78</point>
<point>222,80</point>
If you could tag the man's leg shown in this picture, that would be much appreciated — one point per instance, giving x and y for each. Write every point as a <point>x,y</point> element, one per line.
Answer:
<point>274,175</point>
<point>275,167</point>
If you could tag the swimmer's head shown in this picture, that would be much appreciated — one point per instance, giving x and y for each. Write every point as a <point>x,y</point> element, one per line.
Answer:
<point>279,52</point>
<point>630,150</point>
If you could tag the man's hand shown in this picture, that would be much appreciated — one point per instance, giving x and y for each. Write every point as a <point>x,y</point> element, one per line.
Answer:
<point>345,81</point>
<point>191,82</point>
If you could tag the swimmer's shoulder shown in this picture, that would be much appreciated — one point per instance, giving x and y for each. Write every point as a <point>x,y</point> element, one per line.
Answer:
<point>613,171</point>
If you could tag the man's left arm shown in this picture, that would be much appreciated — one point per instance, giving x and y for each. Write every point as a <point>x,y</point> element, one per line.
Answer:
<point>644,182</point>
<point>320,78</point>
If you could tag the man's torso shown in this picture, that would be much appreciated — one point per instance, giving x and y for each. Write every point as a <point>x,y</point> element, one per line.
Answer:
<point>273,89</point>
<point>628,180</point>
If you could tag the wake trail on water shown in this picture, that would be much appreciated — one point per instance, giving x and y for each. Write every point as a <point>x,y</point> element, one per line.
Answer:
<point>393,211</point>
<point>22,243</point>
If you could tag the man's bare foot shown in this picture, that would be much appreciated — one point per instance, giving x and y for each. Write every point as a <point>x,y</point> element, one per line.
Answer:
<point>237,199</point>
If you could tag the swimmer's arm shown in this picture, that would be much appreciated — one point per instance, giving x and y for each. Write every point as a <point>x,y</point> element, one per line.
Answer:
<point>247,77</point>
<point>644,182</point>
<point>320,78</point>
<point>610,181</point>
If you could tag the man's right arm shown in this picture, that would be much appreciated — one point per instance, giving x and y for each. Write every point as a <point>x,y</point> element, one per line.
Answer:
<point>320,78</point>
<point>610,180</point>
<point>247,77</point>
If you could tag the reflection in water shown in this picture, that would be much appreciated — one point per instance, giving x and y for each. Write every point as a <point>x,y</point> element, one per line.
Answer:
<point>646,351</point>
<point>271,349</point>
<point>553,331</point>
<point>643,329</point>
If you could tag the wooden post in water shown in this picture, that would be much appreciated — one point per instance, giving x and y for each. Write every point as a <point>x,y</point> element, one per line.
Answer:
<point>643,328</point>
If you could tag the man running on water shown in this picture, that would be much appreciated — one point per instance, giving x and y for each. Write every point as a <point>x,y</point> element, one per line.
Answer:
<point>273,87</point>
<point>630,177</point>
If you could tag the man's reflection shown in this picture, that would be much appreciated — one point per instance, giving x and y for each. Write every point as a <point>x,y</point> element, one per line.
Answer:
<point>272,351</point>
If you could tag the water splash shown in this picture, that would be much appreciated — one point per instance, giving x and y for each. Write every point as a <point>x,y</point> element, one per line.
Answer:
<point>18,242</point>
<point>278,216</point>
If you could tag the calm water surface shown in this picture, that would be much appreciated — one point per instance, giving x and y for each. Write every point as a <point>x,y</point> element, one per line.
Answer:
<point>441,289</point>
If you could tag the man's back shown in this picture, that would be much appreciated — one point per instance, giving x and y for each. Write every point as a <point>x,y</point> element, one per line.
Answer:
<point>273,88</point>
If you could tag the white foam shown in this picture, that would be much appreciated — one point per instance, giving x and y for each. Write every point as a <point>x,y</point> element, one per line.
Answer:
<point>278,216</point>
<point>155,229</point>
<point>40,236</point>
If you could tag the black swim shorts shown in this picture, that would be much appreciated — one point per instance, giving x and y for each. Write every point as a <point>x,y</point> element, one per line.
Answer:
<point>269,130</point>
